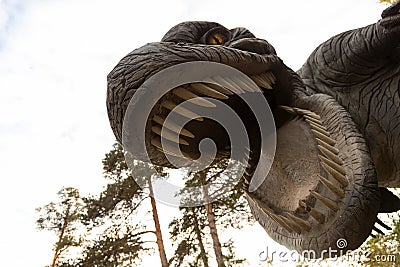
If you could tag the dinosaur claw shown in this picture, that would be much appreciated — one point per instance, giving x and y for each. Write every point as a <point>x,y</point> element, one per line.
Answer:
<point>383,224</point>
<point>391,17</point>
<point>391,11</point>
<point>379,231</point>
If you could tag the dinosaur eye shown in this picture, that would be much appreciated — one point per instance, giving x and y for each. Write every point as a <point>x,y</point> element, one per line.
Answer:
<point>216,36</point>
<point>216,39</point>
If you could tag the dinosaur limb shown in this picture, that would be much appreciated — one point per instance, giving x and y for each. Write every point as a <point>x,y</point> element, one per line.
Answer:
<point>352,57</point>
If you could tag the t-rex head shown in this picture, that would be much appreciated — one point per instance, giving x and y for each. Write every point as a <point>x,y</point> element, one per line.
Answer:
<point>322,186</point>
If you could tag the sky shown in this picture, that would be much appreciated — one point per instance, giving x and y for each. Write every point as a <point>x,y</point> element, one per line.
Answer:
<point>54,59</point>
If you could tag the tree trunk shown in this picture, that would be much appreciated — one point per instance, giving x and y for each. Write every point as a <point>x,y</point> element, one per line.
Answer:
<point>211,224</point>
<point>57,251</point>
<point>160,243</point>
<point>214,235</point>
<point>199,239</point>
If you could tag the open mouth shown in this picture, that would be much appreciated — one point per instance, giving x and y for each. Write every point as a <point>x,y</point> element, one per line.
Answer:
<point>200,128</point>
<point>322,186</point>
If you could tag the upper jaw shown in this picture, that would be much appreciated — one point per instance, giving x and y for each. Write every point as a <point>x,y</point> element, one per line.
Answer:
<point>266,70</point>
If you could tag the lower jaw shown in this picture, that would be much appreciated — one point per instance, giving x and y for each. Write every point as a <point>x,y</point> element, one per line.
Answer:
<point>335,166</point>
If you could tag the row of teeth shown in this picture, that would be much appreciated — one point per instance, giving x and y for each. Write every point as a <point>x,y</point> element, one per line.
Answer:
<point>329,160</point>
<point>195,92</point>
<point>289,221</point>
<point>331,163</point>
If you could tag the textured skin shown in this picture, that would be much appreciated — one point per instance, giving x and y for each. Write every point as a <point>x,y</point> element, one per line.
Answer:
<point>358,214</point>
<point>361,70</point>
<point>351,81</point>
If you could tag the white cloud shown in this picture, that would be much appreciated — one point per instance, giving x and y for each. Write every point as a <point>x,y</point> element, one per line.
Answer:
<point>54,58</point>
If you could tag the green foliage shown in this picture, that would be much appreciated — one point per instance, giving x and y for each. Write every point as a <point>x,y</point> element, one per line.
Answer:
<point>384,249</point>
<point>63,218</point>
<point>388,1</point>
<point>119,237</point>
<point>191,228</point>
<point>113,221</point>
<point>188,231</point>
<point>114,249</point>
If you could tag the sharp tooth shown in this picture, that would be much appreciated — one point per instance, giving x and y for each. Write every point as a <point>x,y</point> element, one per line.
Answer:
<point>172,126</point>
<point>316,125</point>
<point>267,76</point>
<point>260,81</point>
<point>335,189</point>
<point>316,121</point>
<point>318,129</point>
<point>281,222</point>
<point>269,212</point>
<point>195,99</point>
<point>332,149</point>
<point>224,153</point>
<point>220,89</point>
<point>323,137</point>
<point>168,135</point>
<point>379,231</point>
<point>271,76</point>
<point>335,158</point>
<point>328,202</point>
<point>303,223</point>
<point>333,164</point>
<point>247,86</point>
<point>232,84</point>
<point>208,91</point>
<point>291,224</point>
<point>249,172</point>
<point>335,174</point>
<point>383,224</point>
<point>180,110</point>
<point>169,149</point>
<point>288,109</point>
<point>318,216</point>
<point>310,115</point>
<point>304,205</point>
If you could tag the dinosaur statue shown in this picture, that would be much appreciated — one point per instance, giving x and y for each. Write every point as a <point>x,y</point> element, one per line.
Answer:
<point>337,120</point>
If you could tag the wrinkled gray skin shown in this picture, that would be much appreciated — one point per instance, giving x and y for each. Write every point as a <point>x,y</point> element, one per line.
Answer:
<point>351,81</point>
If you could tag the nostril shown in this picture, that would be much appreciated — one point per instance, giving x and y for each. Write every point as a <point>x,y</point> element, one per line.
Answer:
<point>254,45</point>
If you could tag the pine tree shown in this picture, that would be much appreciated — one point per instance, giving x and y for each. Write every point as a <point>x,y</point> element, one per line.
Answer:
<point>63,219</point>
<point>197,225</point>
